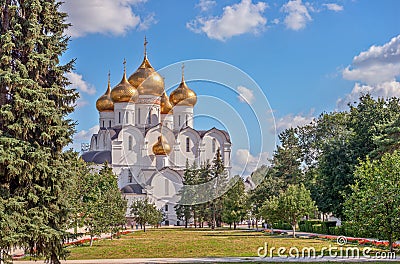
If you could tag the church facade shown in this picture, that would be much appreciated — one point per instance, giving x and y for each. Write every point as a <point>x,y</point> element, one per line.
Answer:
<point>147,137</point>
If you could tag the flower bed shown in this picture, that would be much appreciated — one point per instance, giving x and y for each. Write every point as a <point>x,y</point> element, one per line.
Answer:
<point>354,240</point>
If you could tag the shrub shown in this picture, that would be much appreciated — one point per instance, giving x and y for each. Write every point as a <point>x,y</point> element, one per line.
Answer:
<point>317,226</point>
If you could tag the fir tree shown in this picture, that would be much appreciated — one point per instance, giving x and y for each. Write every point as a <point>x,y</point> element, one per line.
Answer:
<point>34,129</point>
<point>220,178</point>
<point>182,209</point>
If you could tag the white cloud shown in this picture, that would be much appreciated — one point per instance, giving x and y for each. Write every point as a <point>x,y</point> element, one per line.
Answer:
<point>291,120</point>
<point>297,15</point>
<point>245,95</point>
<point>81,103</point>
<point>385,90</point>
<point>78,83</point>
<point>378,64</point>
<point>86,135</point>
<point>206,5</point>
<point>238,19</point>
<point>333,7</point>
<point>83,136</point>
<point>243,163</point>
<point>101,16</point>
<point>275,21</point>
<point>376,72</point>
<point>147,22</point>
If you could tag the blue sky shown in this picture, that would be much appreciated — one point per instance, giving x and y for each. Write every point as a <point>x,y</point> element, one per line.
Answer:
<point>305,57</point>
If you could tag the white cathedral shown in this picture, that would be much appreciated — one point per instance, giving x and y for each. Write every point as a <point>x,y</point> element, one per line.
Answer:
<point>147,137</point>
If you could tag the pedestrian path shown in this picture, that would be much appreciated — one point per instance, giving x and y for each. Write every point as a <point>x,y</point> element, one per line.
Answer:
<point>215,260</point>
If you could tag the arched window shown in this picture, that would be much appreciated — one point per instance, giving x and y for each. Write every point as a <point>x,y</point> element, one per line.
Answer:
<point>214,143</point>
<point>103,123</point>
<point>179,123</point>
<point>139,116</point>
<point>130,176</point>
<point>130,143</point>
<point>109,123</point>
<point>187,120</point>
<point>119,117</point>
<point>149,117</point>
<point>187,144</point>
<point>127,117</point>
<point>166,182</point>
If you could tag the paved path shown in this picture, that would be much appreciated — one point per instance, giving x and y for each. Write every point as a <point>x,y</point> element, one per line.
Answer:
<point>211,260</point>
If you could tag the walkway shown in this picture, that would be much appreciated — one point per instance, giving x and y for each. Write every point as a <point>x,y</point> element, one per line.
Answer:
<point>212,260</point>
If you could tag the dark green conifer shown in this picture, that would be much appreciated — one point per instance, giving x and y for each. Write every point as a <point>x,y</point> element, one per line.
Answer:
<point>34,128</point>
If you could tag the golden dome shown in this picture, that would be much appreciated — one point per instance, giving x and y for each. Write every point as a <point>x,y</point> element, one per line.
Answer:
<point>161,147</point>
<point>183,95</point>
<point>124,91</point>
<point>146,79</point>
<point>104,103</point>
<point>166,107</point>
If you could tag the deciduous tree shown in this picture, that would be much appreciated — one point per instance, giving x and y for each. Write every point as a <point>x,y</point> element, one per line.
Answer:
<point>290,206</point>
<point>374,205</point>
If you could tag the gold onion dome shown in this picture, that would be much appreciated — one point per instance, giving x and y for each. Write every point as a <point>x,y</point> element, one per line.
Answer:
<point>183,95</point>
<point>104,103</point>
<point>161,147</point>
<point>166,107</point>
<point>124,91</point>
<point>146,79</point>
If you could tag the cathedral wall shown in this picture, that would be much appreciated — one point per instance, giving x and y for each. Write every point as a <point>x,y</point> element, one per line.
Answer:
<point>124,114</point>
<point>188,147</point>
<point>106,119</point>
<point>183,117</point>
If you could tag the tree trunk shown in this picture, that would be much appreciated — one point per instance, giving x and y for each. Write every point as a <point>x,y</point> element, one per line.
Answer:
<point>91,240</point>
<point>194,218</point>
<point>213,217</point>
<point>54,259</point>
<point>294,230</point>
<point>234,225</point>
<point>230,226</point>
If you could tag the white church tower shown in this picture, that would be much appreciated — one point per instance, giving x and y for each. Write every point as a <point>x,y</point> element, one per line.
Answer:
<point>183,99</point>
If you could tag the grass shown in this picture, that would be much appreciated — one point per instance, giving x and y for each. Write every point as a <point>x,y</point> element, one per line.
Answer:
<point>172,243</point>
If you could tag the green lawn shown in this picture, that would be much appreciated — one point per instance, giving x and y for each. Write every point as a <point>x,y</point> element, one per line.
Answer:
<point>170,243</point>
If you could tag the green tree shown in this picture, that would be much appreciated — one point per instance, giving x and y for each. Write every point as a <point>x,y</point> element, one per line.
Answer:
<point>288,157</point>
<point>144,212</point>
<point>374,205</point>
<point>98,204</point>
<point>34,128</point>
<point>389,140</point>
<point>182,208</point>
<point>290,206</point>
<point>268,186</point>
<point>113,205</point>
<point>368,119</point>
<point>156,218</point>
<point>220,177</point>
<point>234,203</point>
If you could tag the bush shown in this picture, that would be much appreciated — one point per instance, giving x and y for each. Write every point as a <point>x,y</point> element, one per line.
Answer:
<point>317,226</point>
<point>282,225</point>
